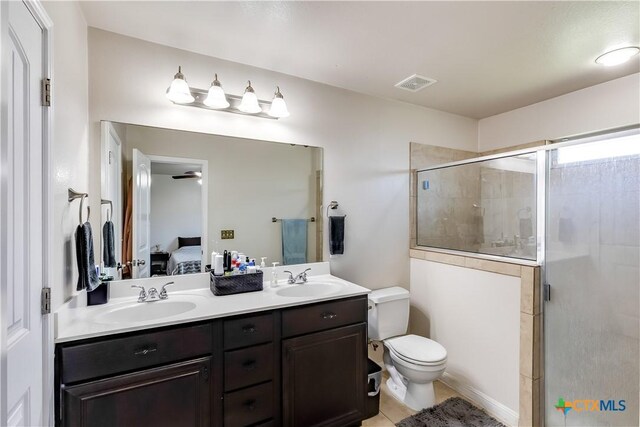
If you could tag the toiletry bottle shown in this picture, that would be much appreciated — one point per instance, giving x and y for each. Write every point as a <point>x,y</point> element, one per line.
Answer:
<point>274,275</point>
<point>263,264</point>
<point>218,266</point>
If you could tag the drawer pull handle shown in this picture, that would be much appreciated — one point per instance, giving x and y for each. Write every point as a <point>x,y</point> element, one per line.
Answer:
<point>249,329</point>
<point>249,365</point>
<point>250,404</point>
<point>145,351</point>
<point>328,315</point>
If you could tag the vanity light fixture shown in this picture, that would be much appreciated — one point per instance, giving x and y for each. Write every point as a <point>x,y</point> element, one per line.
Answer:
<point>179,91</point>
<point>216,97</point>
<point>249,102</point>
<point>617,56</point>
<point>278,106</point>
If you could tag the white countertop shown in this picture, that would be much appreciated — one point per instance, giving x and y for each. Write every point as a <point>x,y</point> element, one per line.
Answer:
<point>75,321</point>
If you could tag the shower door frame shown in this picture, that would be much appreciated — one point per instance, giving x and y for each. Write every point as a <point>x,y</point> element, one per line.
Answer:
<point>543,200</point>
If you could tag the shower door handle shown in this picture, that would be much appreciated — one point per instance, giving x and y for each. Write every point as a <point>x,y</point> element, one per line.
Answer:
<point>546,292</point>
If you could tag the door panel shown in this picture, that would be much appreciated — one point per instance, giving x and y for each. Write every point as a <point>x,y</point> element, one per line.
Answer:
<point>21,217</point>
<point>141,212</point>
<point>173,396</point>
<point>324,377</point>
<point>592,264</point>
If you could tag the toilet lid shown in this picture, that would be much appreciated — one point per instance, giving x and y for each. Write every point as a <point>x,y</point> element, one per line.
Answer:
<point>417,349</point>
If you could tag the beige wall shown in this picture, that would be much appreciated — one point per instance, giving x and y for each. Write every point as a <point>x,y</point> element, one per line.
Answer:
<point>71,149</point>
<point>176,211</point>
<point>608,105</point>
<point>366,139</point>
<point>475,315</point>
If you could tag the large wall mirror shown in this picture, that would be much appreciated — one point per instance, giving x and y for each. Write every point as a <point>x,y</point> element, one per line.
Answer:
<point>172,197</point>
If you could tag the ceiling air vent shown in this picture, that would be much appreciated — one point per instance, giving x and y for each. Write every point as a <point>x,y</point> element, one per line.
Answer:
<point>415,83</point>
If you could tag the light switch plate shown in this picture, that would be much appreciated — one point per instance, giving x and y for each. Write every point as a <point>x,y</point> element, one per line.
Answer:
<point>226,234</point>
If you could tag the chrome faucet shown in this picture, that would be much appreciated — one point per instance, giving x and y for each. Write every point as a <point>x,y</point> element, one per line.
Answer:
<point>153,294</point>
<point>300,278</point>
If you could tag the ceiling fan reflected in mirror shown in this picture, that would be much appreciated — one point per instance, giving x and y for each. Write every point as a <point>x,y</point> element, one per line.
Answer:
<point>188,175</point>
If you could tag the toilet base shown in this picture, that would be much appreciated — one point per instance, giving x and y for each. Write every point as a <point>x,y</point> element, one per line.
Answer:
<point>397,391</point>
<point>415,396</point>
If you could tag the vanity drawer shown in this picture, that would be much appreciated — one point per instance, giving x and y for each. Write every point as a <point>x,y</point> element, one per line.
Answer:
<point>248,406</point>
<point>112,356</point>
<point>248,366</point>
<point>248,331</point>
<point>326,315</point>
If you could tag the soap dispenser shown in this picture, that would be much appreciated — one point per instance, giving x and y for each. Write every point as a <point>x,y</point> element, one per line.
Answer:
<point>274,275</point>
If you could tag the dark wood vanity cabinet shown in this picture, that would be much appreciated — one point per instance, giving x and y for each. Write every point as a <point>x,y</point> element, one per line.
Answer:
<point>159,377</point>
<point>324,364</point>
<point>302,366</point>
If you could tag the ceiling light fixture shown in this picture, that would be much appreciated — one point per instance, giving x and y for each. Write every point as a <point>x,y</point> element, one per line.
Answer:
<point>278,106</point>
<point>179,91</point>
<point>249,102</point>
<point>617,56</point>
<point>216,97</point>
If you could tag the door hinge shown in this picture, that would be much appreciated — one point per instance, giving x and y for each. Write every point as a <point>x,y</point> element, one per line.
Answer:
<point>547,292</point>
<point>46,92</point>
<point>45,301</point>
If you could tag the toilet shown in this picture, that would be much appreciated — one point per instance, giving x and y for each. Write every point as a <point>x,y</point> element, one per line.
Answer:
<point>413,362</point>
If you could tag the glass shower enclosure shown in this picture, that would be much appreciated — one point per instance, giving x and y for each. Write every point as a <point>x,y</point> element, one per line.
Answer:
<point>574,208</point>
<point>592,263</point>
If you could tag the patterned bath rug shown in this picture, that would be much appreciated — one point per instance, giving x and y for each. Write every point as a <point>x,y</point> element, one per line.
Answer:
<point>453,412</point>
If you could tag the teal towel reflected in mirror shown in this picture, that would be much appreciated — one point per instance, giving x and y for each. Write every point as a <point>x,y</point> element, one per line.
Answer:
<point>294,241</point>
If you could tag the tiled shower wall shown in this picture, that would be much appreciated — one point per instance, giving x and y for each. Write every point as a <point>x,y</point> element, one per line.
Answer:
<point>424,156</point>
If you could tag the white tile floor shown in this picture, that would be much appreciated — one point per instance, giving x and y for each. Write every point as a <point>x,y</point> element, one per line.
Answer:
<point>393,411</point>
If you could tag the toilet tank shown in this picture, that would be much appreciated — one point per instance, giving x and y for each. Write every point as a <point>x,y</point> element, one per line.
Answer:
<point>389,313</point>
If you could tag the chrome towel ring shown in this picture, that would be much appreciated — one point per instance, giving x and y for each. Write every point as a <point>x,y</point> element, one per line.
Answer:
<point>73,194</point>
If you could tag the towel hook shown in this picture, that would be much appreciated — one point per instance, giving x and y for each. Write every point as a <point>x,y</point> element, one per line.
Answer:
<point>88,209</point>
<point>110,209</point>
<point>332,205</point>
<point>73,194</point>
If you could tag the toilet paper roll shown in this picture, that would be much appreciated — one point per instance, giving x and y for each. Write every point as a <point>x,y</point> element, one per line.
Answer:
<point>218,265</point>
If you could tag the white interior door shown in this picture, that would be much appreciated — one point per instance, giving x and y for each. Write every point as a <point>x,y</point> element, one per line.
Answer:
<point>22,207</point>
<point>141,210</point>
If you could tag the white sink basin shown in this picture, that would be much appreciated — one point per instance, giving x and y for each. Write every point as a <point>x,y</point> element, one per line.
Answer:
<point>310,290</point>
<point>141,312</point>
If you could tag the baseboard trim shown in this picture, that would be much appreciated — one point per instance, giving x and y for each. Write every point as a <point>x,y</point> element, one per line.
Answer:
<point>494,408</point>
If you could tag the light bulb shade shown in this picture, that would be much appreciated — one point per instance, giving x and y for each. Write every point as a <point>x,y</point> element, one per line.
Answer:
<point>216,98</point>
<point>278,108</point>
<point>249,102</point>
<point>179,91</point>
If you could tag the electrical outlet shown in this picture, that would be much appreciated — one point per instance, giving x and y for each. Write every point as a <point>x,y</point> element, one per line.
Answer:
<point>226,234</point>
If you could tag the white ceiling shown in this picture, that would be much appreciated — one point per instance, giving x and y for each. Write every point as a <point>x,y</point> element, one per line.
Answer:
<point>488,57</point>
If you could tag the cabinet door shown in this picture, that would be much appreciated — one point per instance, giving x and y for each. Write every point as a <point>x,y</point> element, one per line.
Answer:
<point>173,395</point>
<point>324,377</point>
